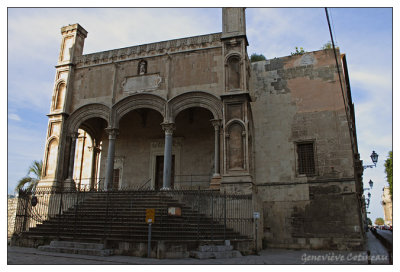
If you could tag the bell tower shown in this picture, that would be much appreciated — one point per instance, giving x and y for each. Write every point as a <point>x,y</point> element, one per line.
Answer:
<point>73,37</point>
<point>237,121</point>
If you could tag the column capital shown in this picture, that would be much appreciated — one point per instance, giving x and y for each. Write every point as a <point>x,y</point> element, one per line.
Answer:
<point>74,135</point>
<point>112,133</point>
<point>94,148</point>
<point>216,123</point>
<point>168,127</point>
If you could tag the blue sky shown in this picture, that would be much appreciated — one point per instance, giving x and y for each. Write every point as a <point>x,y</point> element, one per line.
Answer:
<point>364,34</point>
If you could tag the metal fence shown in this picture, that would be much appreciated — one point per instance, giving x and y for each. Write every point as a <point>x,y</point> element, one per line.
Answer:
<point>206,214</point>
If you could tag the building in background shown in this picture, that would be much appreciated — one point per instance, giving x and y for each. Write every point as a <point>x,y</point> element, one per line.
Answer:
<point>282,130</point>
<point>387,206</point>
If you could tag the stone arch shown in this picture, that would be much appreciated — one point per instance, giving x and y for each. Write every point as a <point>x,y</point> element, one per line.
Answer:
<point>137,101</point>
<point>194,99</point>
<point>50,161</point>
<point>86,112</point>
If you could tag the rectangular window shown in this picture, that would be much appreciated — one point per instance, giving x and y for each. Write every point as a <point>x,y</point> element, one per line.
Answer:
<point>305,158</point>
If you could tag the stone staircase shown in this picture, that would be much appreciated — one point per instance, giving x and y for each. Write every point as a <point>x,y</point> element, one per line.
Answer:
<point>76,248</point>
<point>215,252</point>
<point>117,221</point>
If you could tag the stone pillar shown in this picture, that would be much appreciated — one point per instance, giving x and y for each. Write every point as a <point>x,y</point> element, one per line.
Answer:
<point>95,155</point>
<point>69,182</point>
<point>168,128</point>
<point>112,135</point>
<point>216,179</point>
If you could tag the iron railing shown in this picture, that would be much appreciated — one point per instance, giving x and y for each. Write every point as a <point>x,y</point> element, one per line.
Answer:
<point>120,214</point>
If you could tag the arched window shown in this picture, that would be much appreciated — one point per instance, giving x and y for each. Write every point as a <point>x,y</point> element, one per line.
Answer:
<point>60,96</point>
<point>233,73</point>
<point>51,162</point>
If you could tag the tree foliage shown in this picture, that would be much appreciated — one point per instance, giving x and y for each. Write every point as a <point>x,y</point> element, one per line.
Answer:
<point>369,221</point>
<point>379,221</point>
<point>257,57</point>
<point>389,172</point>
<point>31,181</point>
<point>298,51</point>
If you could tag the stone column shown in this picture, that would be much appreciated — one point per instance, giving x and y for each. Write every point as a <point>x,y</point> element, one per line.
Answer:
<point>69,182</point>
<point>168,128</point>
<point>216,124</point>
<point>112,135</point>
<point>96,150</point>
<point>216,178</point>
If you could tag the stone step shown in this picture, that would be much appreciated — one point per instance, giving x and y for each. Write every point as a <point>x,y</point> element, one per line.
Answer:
<point>56,243</point>
<point>215,255</point>
<point>76,250</point>
<point>215,248</point>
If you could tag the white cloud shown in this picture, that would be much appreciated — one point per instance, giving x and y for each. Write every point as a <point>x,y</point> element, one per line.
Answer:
<point>13,116</point>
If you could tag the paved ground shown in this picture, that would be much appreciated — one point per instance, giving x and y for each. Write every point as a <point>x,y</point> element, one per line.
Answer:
<point>387,234</point>
<point>20,255</point>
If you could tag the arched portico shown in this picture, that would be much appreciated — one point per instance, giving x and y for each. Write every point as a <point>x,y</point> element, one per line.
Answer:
<point>93,119</point>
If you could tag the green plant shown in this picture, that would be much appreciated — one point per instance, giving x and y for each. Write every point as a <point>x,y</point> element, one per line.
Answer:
<point>31,181</point>
<point>379,221</point>
<point>257,57</point>
<point>298,52</point>
<point>389,172</point>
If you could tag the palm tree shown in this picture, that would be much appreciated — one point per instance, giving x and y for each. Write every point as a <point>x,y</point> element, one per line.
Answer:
<point>36,170</point>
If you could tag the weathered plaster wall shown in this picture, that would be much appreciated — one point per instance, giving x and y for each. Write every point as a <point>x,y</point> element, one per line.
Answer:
<point>11,213</point>
<point>298,98</point>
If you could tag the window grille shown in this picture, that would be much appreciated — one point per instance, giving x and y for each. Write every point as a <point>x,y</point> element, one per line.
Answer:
<point>306,163</point>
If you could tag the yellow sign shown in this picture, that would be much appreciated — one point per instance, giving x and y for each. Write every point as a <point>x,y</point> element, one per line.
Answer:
<point>150,215</point>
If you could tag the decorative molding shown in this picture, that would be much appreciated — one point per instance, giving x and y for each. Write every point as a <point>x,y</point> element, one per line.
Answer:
<point>149,50</point>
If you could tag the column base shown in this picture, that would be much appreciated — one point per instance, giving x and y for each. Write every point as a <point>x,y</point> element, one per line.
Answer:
<point>69,184</point>
<point>215,182</point>
<point>165,189</point>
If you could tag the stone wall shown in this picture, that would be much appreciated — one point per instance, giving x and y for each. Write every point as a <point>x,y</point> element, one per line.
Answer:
<point>11,213</point>
<point>299,99</point>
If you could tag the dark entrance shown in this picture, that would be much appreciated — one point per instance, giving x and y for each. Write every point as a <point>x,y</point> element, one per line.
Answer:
<point>160,171</point>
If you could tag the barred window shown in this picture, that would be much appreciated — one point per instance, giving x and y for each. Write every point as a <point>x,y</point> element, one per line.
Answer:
<point>305,159</point>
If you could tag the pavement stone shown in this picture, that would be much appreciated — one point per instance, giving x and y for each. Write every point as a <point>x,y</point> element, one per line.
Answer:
<point>22,255</point>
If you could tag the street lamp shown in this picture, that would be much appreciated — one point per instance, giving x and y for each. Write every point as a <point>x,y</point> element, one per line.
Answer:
<point>371,184</point>
<point>374,157</point>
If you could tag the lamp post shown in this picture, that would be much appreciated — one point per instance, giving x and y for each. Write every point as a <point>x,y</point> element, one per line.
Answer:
<point>367,201</point>
<point>374,157</point>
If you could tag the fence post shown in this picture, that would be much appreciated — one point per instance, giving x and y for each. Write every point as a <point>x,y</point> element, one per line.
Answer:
<point>212,216</point>
<point>59,214</point>
<point>225,214</point>
<point>76,212</point>
<point>198,213</point>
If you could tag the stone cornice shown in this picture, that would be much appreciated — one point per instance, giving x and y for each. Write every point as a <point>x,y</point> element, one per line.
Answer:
<point>149,50</point>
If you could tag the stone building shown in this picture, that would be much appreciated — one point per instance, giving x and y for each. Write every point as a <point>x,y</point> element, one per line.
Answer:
<point>281,129</point>
<point>387,206</point>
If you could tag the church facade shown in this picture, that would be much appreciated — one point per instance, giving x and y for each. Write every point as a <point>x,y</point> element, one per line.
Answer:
<point>196,112</point>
